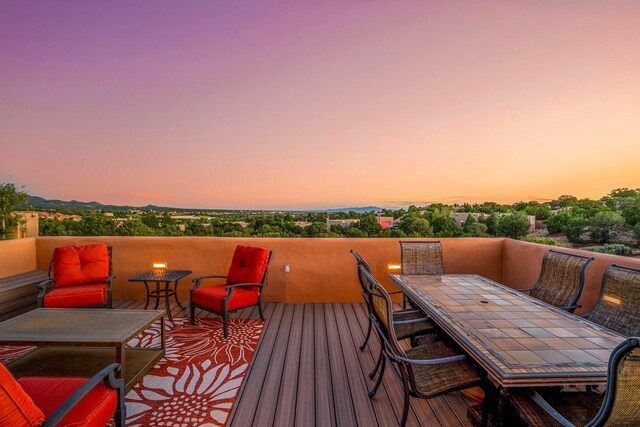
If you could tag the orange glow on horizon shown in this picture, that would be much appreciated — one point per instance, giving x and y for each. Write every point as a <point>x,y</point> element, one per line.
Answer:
<point>310,106</point>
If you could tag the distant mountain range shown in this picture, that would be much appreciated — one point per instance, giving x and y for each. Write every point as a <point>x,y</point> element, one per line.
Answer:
<point>358,210</point>
<point>40,203</point>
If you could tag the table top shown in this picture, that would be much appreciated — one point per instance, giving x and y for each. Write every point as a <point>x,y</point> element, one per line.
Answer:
<point>517,339</point>
<point>77,326</point>
<point>160,276</point>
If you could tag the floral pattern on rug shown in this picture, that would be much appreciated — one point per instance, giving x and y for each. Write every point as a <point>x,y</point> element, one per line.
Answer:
<point>196,384</point>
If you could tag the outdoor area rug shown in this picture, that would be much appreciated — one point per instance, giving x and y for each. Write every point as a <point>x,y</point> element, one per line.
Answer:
<point>196,383</point>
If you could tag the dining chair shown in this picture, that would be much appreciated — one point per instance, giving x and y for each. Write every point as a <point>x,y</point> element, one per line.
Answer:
<point>561,280</point>
<point>421,257</point>
<point>618,305</point>
<point>618,406</point>
<point>81,277</point>
<point>242,285</point>
<point>62,401</point>
<point>426,371</point>
<point>408,323</point>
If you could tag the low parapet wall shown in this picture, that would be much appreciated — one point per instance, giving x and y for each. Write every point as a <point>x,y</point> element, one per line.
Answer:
<point>320,270</point>
<point>522,263</point>
<point>17,256</point>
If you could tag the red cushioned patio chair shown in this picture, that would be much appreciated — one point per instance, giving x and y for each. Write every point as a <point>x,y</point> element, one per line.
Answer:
<point>81,277</point>
<point>243,286</point>
<point>68,401</point>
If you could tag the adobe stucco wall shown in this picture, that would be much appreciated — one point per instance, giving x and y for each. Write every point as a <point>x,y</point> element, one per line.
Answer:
<point>17,256</point>
<point>322,270</point>
<point>523,261</point>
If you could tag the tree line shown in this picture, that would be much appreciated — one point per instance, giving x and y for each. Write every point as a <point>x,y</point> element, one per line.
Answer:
<point>613,218</point>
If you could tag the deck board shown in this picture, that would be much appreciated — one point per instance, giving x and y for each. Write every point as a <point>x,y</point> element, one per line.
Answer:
<point>308,371</point>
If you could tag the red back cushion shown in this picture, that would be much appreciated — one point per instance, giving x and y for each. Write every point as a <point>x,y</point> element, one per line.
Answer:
<point>77,265</point>
<point>16,407</point>
<point>248,265</point>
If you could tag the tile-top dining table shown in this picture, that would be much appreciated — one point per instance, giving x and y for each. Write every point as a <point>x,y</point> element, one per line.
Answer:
<point>518,340</point>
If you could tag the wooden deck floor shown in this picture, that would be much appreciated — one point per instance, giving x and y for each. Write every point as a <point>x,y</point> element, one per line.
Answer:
<point>308,371</point>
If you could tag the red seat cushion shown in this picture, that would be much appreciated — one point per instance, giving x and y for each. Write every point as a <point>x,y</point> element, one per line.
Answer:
<point>211,297</point>
<point>248,265</point>
<point>95,409</point>
<point>76,296</point>
<point>75,265</point>
<point>17,409</point>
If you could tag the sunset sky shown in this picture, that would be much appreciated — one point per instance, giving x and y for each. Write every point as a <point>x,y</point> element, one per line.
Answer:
<point>308,104</point>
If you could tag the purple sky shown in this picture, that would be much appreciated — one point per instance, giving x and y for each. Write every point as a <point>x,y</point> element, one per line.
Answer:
<point>318,104</point>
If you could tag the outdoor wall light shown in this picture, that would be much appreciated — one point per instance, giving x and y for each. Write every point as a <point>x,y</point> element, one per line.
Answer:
<point>160,265</point>
<point>612,300</point>
<point>394,266</point>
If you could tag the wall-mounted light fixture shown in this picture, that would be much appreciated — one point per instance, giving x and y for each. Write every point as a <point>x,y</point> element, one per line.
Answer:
<point>160,265</point>
<point>394,267</point>
<point>612,300</point>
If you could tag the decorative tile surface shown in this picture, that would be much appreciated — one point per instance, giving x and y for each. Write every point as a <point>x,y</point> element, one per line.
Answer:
<point>517,339</point>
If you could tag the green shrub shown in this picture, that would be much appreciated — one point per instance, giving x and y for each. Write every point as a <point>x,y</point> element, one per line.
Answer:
<point>606,226</point>
<point>557,223</point>
<point>514,225</point>
<point>541,240</point>
<point>614,249</point>
<point>574,229</point>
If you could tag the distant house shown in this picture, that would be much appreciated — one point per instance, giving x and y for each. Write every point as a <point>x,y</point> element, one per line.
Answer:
<point>385,221</point>
<point>29,226</point>
<point>344,223</point>
<point>461,217</point>
<point>303,224</point>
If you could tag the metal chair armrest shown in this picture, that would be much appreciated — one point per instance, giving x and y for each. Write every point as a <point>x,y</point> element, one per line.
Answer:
<point>570,308</point>
<point>438,361</point>
<point>42,289</point>
<point>539,400</point>
<point>44,283</point>
<point>525,289</point>
<point>107,375</point>
<point>240,285</point>
<point>196,280</point>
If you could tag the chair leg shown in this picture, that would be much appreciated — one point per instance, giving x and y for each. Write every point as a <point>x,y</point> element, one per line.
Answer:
<point>260,310</point>
<point>120,415</point>
<point>405,409</point>
<point>378,362</point>
<point>485,411</point>
<point>373,391</point>
<point>366,338</point>
<point>193,313</point>
<point>225,325</point>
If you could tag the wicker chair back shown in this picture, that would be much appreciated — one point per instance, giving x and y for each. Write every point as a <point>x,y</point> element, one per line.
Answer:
<point>382,311</point>
<point>561,280</point>
<point>361,262</point>
<point>421,257</point>
<point>618,307</point>
<point>620,406</point>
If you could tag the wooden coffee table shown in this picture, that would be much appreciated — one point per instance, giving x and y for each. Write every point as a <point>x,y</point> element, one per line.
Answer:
<point>80,342</point>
